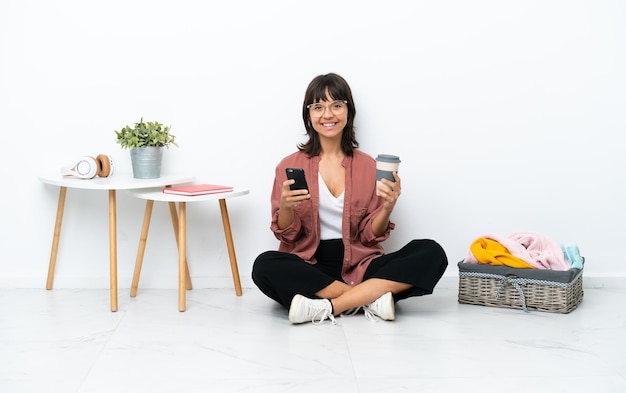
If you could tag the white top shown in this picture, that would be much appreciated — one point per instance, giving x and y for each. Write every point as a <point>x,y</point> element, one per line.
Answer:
<point>330,211</point>
<point>118,181</point>
<point>157,194</point>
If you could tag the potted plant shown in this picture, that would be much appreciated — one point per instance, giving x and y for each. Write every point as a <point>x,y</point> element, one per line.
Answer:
<point>146,141</point>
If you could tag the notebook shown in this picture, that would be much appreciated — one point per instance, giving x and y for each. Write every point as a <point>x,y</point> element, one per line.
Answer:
<point>197,189</point>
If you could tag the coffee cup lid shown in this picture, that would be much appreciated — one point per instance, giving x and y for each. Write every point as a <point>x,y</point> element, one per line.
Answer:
<point>387,158</point>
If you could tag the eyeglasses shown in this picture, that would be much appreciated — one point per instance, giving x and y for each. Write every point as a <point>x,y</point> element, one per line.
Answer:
<point>337,107</point>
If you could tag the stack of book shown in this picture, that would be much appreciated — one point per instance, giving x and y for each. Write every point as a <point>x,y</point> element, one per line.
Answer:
<point>197,189</point>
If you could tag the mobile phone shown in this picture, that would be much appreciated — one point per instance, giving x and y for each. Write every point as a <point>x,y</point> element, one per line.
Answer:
<point>298,175</point>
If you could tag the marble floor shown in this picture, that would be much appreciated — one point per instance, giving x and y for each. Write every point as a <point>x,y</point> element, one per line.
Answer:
<point>67,340</point>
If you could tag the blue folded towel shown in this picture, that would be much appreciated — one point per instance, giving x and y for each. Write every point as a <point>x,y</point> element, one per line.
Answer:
<point>572,255</point>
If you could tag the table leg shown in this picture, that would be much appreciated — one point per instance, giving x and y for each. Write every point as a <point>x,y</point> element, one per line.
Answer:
<point>113,248</point>
<point>182,252</point>
<point>174,217</point>
<point>143,238</point>
<point>56,236</point>
<point>230,246</point>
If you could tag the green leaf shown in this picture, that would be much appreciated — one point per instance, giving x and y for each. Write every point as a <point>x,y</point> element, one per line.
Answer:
<point>151,133</point>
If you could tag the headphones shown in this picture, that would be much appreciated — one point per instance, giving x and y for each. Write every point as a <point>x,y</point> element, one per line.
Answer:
<point>88,167</point>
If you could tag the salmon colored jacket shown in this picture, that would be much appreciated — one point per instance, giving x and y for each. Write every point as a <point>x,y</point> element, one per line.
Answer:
<point>361,205</point>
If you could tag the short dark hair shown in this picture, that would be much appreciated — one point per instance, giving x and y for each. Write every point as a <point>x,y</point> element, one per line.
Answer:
<point>338,89</point>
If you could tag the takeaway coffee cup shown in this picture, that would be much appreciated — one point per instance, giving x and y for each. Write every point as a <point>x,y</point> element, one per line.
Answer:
<point>386,164</point>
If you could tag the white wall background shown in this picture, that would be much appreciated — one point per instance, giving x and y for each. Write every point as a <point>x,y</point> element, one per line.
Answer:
<point>508,116</point>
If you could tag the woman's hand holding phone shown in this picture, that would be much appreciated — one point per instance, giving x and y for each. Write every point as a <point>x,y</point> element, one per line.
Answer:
<point>295,188</point>
<point>297,174</point>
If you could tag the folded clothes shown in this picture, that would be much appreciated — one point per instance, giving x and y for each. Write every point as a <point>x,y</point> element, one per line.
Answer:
<point>533,248</point>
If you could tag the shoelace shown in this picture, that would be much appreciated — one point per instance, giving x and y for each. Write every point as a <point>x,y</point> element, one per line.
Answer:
<point>321,314</point>
<point>371,315</point>
<point>350,312</point>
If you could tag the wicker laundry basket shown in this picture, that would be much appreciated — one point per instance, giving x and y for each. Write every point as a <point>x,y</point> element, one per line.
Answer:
<point>526,289</point>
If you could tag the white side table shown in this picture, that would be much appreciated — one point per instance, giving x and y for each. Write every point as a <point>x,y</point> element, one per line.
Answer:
<point>119,181</point>
<point>180,231</point>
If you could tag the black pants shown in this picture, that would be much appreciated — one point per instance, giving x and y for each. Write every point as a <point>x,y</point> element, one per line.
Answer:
<point>281,276</point>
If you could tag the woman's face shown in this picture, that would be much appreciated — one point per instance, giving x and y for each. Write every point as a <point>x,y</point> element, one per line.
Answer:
<point>329,117</point>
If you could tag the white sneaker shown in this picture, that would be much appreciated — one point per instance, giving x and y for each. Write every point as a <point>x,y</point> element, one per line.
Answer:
<point>303,309</point>
<point>382,308</point>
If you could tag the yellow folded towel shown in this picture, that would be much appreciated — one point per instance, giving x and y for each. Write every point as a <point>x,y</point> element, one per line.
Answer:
<point>491,252</point>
